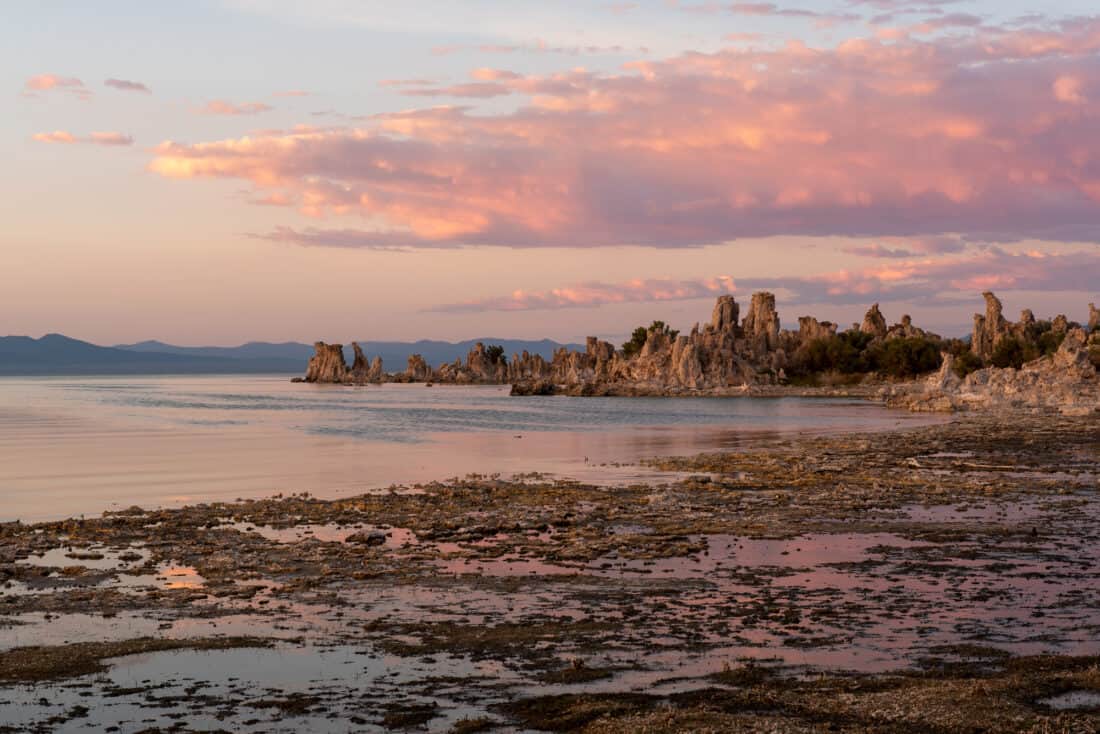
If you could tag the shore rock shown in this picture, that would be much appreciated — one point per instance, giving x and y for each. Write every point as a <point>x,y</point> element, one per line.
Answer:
<point>810,329</point>
<point>762,321</point>
<point>1065,382</point>
<point>988,329</point>
<point>874,323</point>
<point>327,364</point>
<point>417,370</point>
<point>724,357</point>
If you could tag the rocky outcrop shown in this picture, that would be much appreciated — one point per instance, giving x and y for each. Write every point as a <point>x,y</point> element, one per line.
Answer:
<point>810,329</point>
<point>376,373</point>
<point>988,329</point>
<point>874,323</point>
<point>906,330</point>
<point>1094,319</point>
<point>360,367</point>
<point>724,318</point>
<point>417,370</point>
<point>762,322</point>
<point>726,357</point>
<point>483,366</point>
<point>1065,382</point>
<point>716,357</point>
<point>327,364</point>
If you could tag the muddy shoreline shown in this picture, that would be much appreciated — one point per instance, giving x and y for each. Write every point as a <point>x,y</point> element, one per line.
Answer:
<point>940,578</point>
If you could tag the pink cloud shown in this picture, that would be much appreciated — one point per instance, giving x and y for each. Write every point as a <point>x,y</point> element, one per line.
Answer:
<point>127,86</point>
<point>481,90</point>
<point>1069,89</point>
<point>98,138</point>
<point>57,136</point>
<point>914,138</point>
<point>485,74</point>
<point>930,281</point>
<point>292,93</point>
<point>55,83</point>
<point>222,107</point>
<point>596,294</point>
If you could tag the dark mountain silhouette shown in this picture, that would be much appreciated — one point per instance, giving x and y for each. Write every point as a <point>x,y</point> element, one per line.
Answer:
<point>55,354</point>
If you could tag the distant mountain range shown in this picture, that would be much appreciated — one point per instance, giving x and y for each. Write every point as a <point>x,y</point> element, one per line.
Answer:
<point>55,354</point>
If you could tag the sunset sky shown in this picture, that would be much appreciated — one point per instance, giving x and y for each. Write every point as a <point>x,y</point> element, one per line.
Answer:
<point>219,171</point>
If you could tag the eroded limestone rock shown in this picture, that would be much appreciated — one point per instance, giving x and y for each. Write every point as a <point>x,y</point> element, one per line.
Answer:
<point>810,329</point>
<point>327,364</point>
<point>874,323</point>
<point>761,323</point>
<point>1065,382</point>
<point>418,370</point>
<point>988,329</point>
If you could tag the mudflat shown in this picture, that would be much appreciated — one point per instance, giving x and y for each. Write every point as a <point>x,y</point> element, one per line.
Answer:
<point>943,578</point>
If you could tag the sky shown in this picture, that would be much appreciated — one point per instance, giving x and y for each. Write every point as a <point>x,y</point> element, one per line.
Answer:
<point>222,171</point>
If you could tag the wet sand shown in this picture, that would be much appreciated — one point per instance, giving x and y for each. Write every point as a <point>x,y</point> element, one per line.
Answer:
<point>944,578</point>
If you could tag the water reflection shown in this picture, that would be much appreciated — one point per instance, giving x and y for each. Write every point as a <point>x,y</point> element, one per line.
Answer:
<point>80,446</point>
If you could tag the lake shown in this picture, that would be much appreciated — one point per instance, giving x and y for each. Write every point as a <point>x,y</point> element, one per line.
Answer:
<point>72,446</point>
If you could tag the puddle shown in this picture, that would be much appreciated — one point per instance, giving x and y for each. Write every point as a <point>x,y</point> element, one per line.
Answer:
<point>1073,701</point>
<point>984,513</point>
<point>96,557</point>
<point>395,537</point>
<point>285,688</point>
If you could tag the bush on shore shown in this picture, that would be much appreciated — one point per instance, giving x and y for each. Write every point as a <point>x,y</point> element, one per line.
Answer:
<point>641,336</point>
<point>852,353</point>
<point>905,358</point>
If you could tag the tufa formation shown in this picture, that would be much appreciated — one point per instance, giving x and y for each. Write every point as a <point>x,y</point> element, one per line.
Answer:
<point>730,355</point>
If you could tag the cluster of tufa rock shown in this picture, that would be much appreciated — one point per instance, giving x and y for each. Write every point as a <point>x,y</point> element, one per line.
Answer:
<point>730,354</point>
<point>1065,382</point>
<point>727,354</point>
<point>991,328</point>
<point>328,365</point>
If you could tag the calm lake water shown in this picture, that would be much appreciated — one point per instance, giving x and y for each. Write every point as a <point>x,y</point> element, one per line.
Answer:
<point>71,446</point>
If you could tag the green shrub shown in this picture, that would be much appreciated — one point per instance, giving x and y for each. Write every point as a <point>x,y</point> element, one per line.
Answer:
<point>495,353</point>
<point>842,354</point>
<point>904,358</point>
<point>967,362</point>
<point>641,336</point>
<point>1011,352</point>
<point>1094,356</point>
<point>1049,341</point>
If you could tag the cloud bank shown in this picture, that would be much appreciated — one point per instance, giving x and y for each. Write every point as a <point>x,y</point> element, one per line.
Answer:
<point>595,294</point>
<point>101,138</point>
<point>222,107</point>
<point>988,135</point>
<point>926,281</point>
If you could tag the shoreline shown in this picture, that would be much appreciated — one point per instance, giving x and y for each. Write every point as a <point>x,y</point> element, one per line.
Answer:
<point>751,583</point>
